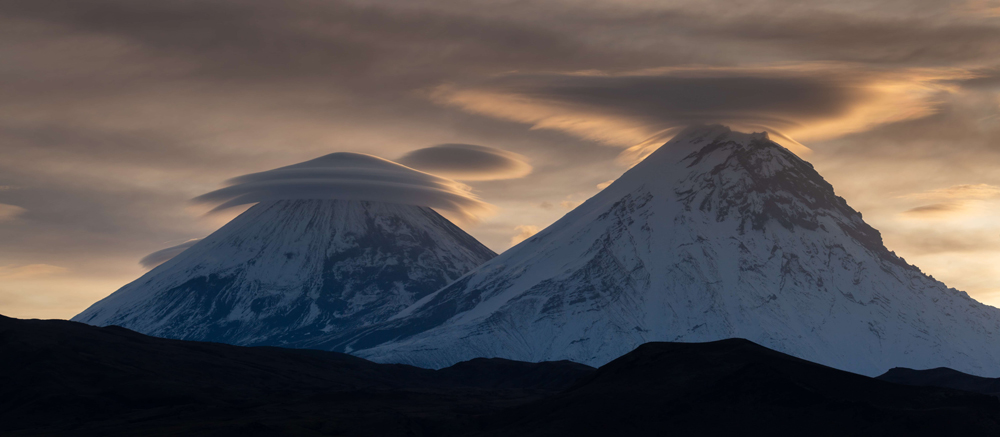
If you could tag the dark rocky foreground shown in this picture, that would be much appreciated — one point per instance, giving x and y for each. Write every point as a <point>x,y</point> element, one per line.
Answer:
<point>66,378</point>
<point>943,377</point>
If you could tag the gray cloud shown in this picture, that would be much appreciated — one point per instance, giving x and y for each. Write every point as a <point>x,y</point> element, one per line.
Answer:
<point>896,38</point>
<point>349,176</point>
<point>933,208</point>
<point>686,97</point>
<point>8,212</point>
<point>297,40</point>
<point>468,162</point>
<point>163,255</point>
<point>986,79</point>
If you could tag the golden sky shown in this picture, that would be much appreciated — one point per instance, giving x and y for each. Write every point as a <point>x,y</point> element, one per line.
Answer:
<point>115,113</point>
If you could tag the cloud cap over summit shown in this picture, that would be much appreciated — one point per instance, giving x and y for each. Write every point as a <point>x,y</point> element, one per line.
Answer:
<point>349,176</point>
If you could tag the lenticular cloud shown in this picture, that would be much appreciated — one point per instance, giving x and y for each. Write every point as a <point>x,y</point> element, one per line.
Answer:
<point>163,255</point>
<point>350,176</point>
<point>468,162</point>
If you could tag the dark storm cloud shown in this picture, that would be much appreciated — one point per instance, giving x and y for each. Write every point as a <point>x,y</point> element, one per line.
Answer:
<point>163,255</point>
<point>349,176</point>
<point>467,162</point>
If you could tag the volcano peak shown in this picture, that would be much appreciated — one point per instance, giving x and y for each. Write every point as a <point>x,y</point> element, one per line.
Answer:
<point>717,234</point>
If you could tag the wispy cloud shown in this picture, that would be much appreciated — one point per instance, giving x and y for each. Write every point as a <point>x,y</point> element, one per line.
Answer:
<point>935,208</point>
<point>163,255</point>
<point>8,212</point>
<point>523,232</point>
<point>959,192</point>
<point>951,200</point>
<point>29,271</point>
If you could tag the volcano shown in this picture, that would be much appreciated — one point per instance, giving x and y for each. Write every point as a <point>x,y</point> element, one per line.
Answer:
<point>717,234</point>
<point>285,271</point>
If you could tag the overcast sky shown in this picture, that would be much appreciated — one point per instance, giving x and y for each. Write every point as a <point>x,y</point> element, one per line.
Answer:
<point>114,114</point>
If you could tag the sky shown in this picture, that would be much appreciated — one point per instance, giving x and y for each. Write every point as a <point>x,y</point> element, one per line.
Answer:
<point>115,114</point>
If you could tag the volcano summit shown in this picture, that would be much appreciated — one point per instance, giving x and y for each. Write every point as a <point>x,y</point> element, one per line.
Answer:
<point>310,259</point>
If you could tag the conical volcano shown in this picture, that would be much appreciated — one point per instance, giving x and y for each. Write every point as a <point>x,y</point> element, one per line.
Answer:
<point>286,271</point>
<point>717,234</point>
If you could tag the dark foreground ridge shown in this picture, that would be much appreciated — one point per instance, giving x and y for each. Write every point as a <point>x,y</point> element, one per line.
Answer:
<point>943,377</point>
<point>67,378</point>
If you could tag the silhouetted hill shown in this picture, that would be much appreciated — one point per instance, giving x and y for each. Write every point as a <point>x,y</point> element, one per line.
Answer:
<point>943,377</point>
<point>736,387</point>
<point>67,378</point>
<point>61,377</point>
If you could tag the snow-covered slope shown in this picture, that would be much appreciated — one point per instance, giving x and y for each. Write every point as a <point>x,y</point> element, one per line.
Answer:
<point>717,234</point>
<point>286,271</point>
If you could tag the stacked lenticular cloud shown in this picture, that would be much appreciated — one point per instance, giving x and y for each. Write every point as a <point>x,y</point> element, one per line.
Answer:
<point>350,176</point>
<point>331,245</point>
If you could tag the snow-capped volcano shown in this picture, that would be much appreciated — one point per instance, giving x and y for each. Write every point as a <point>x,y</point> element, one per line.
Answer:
<point>717,234</point>
<point>288,270</point>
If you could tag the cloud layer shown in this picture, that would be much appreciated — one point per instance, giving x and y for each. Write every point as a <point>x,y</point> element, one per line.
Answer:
<point>468,162</point>
<point>116,112</point>
<point>349,176</point>
<point>163,255</point>
<point>641,110</point>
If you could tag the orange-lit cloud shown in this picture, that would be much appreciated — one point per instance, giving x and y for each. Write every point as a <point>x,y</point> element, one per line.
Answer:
<point>960,192</point>
<point>981,8</point>
<point>8,212</point>
<point>952,201</point>
<point>30,271</point>
<point>641,110</point>
<point>523,232</point>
